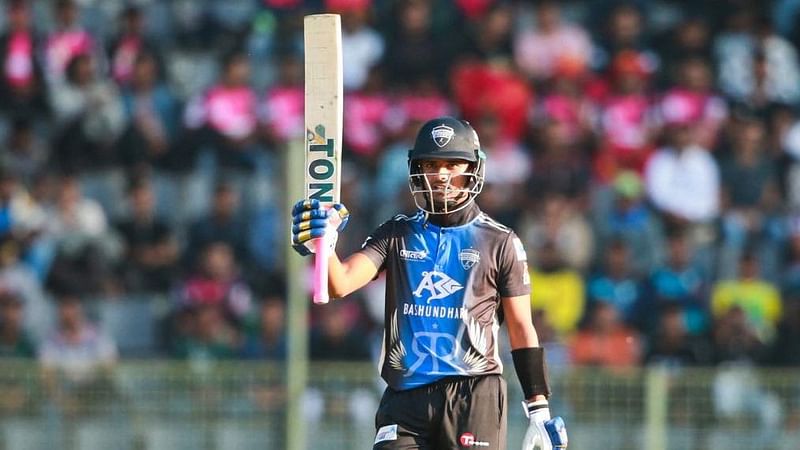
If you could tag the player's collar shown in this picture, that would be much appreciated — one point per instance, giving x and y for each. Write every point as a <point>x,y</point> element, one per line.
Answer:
<point>454,219</point>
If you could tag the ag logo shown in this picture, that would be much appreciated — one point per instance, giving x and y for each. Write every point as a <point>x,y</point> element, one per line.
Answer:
<point>469,257</point>
<point>442,135</point>
<point>438,285</point>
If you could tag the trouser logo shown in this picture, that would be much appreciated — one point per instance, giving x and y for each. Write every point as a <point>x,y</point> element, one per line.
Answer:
<point>468,440</point>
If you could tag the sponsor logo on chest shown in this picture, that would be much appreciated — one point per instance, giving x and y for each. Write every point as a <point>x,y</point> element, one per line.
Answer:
<point>413,255</point>
<point>437,285</point>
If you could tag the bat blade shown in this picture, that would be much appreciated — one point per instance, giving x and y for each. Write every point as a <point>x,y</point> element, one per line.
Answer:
<point>324,97</point>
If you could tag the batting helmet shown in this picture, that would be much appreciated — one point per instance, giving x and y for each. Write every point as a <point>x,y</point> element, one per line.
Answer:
<point>446,138</point>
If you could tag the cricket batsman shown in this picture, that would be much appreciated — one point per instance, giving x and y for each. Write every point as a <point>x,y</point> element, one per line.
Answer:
<point>453,276</point>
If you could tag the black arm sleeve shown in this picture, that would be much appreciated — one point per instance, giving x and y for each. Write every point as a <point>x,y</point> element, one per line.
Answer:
<point>531,371</point>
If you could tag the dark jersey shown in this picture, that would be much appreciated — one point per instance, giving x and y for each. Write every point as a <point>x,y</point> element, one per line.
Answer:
<point>443,290</point>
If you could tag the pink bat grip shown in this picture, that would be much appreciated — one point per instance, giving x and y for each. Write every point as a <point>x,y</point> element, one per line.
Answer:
<point>321,271</point>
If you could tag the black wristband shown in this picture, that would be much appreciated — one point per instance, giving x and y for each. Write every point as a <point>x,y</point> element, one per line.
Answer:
<point>531,371</point>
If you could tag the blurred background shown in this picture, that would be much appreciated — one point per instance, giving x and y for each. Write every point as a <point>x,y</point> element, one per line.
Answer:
<point>645,151</point>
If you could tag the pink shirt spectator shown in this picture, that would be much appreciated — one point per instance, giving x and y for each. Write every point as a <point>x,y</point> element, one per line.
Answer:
<point>682,106</point>
<point>574,113</point>
<point>230,111</point>
<point>18,66</point>
<point>282,112</point>
<point>64,45</point>
<point>124,58</point>
<point>366,118</point>
<point>625,123</point>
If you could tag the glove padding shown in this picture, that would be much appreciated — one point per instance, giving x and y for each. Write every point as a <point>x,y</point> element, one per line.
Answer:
<point>543,432</point>
<point>311,220</point>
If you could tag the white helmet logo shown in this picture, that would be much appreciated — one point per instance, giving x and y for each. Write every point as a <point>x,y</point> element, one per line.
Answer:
<point>442,135</point>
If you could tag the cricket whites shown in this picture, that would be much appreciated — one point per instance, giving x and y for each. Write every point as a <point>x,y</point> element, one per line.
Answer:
<point>323,121</point>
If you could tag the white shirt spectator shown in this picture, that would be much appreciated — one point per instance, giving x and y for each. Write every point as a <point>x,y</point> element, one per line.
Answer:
<point>361,50</point>
<point>78,361</point>
<point>735,55</point>
<point>685,184</point>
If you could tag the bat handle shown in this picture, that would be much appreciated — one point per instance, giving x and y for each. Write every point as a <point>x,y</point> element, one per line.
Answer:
<point>321,271</point>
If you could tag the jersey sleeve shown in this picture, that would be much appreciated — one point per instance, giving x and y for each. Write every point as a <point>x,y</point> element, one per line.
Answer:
<point>513,277</point>
<point>376,245</point>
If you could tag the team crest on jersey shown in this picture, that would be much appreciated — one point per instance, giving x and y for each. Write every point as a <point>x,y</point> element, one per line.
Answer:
<point>438,284</point>
<point>469,258</point>
<point>442,135</point>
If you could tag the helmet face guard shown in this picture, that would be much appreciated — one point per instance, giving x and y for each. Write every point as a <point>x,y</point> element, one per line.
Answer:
<point>445,198</point>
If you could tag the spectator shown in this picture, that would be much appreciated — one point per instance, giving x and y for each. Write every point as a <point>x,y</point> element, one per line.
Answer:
<point>683,183</point>
<point>281,111</point>
<point>624,31</point>
<point>559,222</point>
<point>560,166</point>
<point>750,198</point>
<point>268,339</point>
<point>491,36</point>
<point>151,256</point>
<point>415,49</point>
<point>88,117</point>
<point>616,283</point>
<point>368,119</point>
<point>606,341</point>
<point>337,335</point>
<point>626,130</point>
<point>785,349</point>
<point>538,50</point>
<point>216,281</point>
<point>77,360</point>
<point>85,250</point>
<point>362,46</point>
<point>504,191</point>
<point>129,45</point>
<point>756,66</point>
<point>15,342</point>
<point>225,116</point>
<point>693,100</point>
<point>671,345</point>
<point>679,285</point>
<point>758,300</point>
<point>223,223</point>
<point>22,83</point>
<point>687,40</point>
<point>26,153</point>
<point>560,290</point>
<point>152,117</point>
<point>625,214</point>
<point>210,336</point>
<point>67,42</point>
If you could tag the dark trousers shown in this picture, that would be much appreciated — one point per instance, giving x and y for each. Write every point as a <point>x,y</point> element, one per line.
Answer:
<point>455,413</point>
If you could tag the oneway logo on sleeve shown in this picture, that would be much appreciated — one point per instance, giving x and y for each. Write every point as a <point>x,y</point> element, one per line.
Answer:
<point>438,285</point>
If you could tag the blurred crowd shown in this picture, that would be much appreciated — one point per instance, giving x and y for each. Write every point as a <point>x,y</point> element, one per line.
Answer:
<point>645,151</point>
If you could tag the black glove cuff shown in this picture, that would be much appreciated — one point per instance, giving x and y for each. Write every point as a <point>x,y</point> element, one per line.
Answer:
<point>531,371</point>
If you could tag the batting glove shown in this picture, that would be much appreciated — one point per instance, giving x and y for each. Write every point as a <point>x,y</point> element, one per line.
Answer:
<point>543,432</point>
<point>310,221</point>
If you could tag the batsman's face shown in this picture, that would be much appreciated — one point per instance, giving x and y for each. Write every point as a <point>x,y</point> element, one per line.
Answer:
<point>445,177</point>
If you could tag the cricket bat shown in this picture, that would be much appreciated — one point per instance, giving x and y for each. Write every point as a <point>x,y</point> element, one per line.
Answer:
<point>324,94</point>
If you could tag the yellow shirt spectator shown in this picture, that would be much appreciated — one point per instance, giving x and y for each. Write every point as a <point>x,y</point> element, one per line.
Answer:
<point>561,295</point>
<point>759,300</point>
